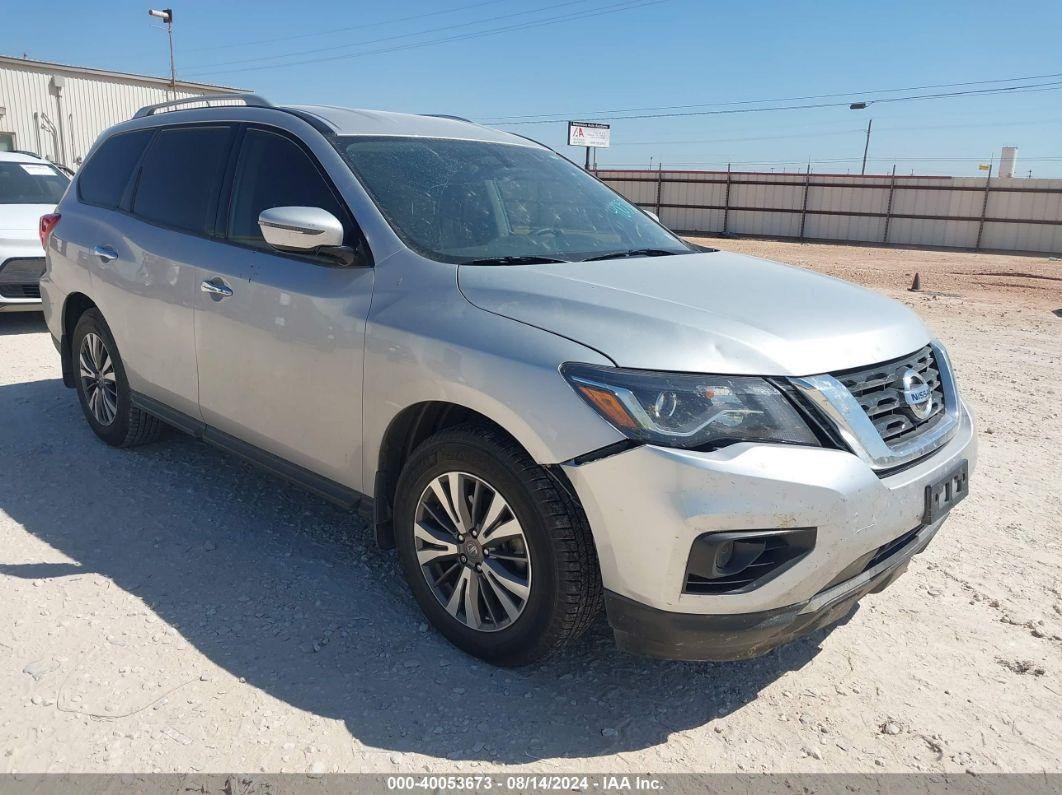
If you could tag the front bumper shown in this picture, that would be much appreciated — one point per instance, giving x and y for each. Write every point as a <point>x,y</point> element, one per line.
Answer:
<point>647,505</point>
<point>683,636</point>
<point>22,305</point>
<point>20,283</point>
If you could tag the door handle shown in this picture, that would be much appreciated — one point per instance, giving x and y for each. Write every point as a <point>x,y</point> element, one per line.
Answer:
<point>105,253</point>
<point>216,288</point>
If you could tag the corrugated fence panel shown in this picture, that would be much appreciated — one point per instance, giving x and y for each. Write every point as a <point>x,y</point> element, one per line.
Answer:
<point>751,193</point>
<point>1014,214</point>
<point>830,197</point>
<point>687,201</point>
<point>1025,206</point>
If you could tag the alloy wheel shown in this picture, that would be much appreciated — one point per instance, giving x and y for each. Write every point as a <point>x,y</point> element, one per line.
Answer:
<point>472,551</point>
<point>98,381</point>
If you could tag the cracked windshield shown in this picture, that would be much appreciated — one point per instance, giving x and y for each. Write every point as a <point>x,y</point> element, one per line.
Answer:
<point>499,204</point>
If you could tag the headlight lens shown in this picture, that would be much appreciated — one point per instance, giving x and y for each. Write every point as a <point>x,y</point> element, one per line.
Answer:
<point>689,411</point>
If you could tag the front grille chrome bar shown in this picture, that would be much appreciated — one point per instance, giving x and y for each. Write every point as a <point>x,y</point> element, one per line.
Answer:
<point>844,412</point>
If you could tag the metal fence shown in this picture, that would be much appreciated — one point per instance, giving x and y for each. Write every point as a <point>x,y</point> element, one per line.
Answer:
<point>962,212</point>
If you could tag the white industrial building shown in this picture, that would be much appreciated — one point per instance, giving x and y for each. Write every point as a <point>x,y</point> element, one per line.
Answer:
<point>57,111</point>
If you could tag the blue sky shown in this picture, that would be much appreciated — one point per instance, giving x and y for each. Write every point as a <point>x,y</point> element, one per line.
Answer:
<point>576,58</point>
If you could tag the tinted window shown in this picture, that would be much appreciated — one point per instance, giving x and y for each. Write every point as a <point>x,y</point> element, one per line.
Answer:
<point>103,178</point>
<point>179,180</point>
<point>31,183</point>
<point>459,201</point>
<point>273,171</point>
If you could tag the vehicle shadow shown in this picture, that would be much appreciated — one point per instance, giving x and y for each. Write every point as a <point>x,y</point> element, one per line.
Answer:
<point>21,323</point>
<point>288,592</point>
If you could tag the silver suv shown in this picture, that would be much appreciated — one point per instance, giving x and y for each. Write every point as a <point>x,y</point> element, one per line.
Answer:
<point>553,401</point>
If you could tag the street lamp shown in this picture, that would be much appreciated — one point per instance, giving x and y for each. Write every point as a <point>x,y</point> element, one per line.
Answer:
<point>866,147</point>
<point>166,15</point>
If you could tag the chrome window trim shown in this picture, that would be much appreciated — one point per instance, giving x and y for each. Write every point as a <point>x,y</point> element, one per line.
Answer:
<point>855,428</point>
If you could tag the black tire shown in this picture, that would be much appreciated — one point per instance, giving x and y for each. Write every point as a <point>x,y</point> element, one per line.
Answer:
<point>130,426</point>
<point>565,594</point>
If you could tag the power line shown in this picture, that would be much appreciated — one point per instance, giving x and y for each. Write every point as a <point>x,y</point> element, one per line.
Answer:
<point>1051,86</point>
<point>951,157</point>
<point>331,31</point>
<point>609,9</point>
<point>455,26</point>
<point>566,116</point>
<point>967,126</point>
<point>739,139</point>
<point>826,161</point>
<point>820,132</point>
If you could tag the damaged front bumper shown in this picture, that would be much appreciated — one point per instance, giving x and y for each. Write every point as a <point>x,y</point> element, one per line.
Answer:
<point>648,505</point>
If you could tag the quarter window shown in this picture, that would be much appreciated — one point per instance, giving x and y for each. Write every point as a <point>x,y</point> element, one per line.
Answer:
<point>273,171</point>
<point>180,178</point>
<point>103,178</point>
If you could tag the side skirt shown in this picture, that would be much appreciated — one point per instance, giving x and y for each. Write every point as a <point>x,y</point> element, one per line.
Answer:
<point>323,487</point>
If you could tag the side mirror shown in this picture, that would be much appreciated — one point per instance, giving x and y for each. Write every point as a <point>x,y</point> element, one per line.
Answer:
<point>308,230</point>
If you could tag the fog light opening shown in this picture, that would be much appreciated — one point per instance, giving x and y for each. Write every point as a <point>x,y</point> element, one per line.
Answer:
<point>724,555</point>
<point>741,560</point>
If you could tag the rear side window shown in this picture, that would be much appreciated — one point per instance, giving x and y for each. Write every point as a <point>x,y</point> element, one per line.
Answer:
<point>31,183</point>
<point>180,176</point>
<point>103,178</point>
<point>273,171</point>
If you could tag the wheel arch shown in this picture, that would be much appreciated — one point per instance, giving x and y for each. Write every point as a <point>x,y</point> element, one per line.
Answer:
<point>75,305</point>
<point>407,430</point>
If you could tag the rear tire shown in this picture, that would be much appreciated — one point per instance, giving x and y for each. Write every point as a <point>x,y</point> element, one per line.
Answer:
<point>538,546</point>
<point>102,386</point>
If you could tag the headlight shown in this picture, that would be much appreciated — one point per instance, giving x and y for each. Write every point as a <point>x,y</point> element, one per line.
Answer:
<point>690,411</point>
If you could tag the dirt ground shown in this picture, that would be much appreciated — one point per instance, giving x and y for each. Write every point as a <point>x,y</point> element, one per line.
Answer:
<point>169,608</point>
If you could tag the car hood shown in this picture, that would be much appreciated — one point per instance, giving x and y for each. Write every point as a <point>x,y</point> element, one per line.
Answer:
<point>20,222</point>
<point>706,312</point>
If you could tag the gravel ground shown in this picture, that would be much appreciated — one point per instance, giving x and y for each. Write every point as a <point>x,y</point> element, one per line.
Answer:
<point>171,609</point>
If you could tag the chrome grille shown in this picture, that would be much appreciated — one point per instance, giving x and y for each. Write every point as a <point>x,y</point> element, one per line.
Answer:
<point>879,391</point>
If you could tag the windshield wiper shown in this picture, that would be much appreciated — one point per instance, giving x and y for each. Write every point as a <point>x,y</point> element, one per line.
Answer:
<point>634,252</point>
<point>513,260</point>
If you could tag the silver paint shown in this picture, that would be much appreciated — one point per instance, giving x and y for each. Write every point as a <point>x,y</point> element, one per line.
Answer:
<point>314,363</point>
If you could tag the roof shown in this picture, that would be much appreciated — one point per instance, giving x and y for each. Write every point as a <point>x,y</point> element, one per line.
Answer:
<point>328,119</point>
<point>50,66</point>
<point>353,121</point>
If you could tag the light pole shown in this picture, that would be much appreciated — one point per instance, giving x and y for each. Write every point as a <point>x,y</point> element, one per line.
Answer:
<point>870,123</point>
<point>166,15</point>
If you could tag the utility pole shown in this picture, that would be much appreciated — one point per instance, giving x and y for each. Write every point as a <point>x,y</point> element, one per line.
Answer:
<point>166,15</point>
<point>866,148</point>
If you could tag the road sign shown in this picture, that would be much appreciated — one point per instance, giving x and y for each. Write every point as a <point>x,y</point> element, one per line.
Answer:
<point>585,133</point>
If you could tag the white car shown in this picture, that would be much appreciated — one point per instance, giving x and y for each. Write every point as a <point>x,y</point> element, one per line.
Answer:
<point>29,188</point>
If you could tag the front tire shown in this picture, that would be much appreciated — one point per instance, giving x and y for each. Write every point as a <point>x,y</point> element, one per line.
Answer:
<point>499,558</point>
<point>102,386</point>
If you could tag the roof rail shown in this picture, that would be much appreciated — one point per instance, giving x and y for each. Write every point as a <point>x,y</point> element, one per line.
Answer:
<point>447,116</point>
<point>204,100</point>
